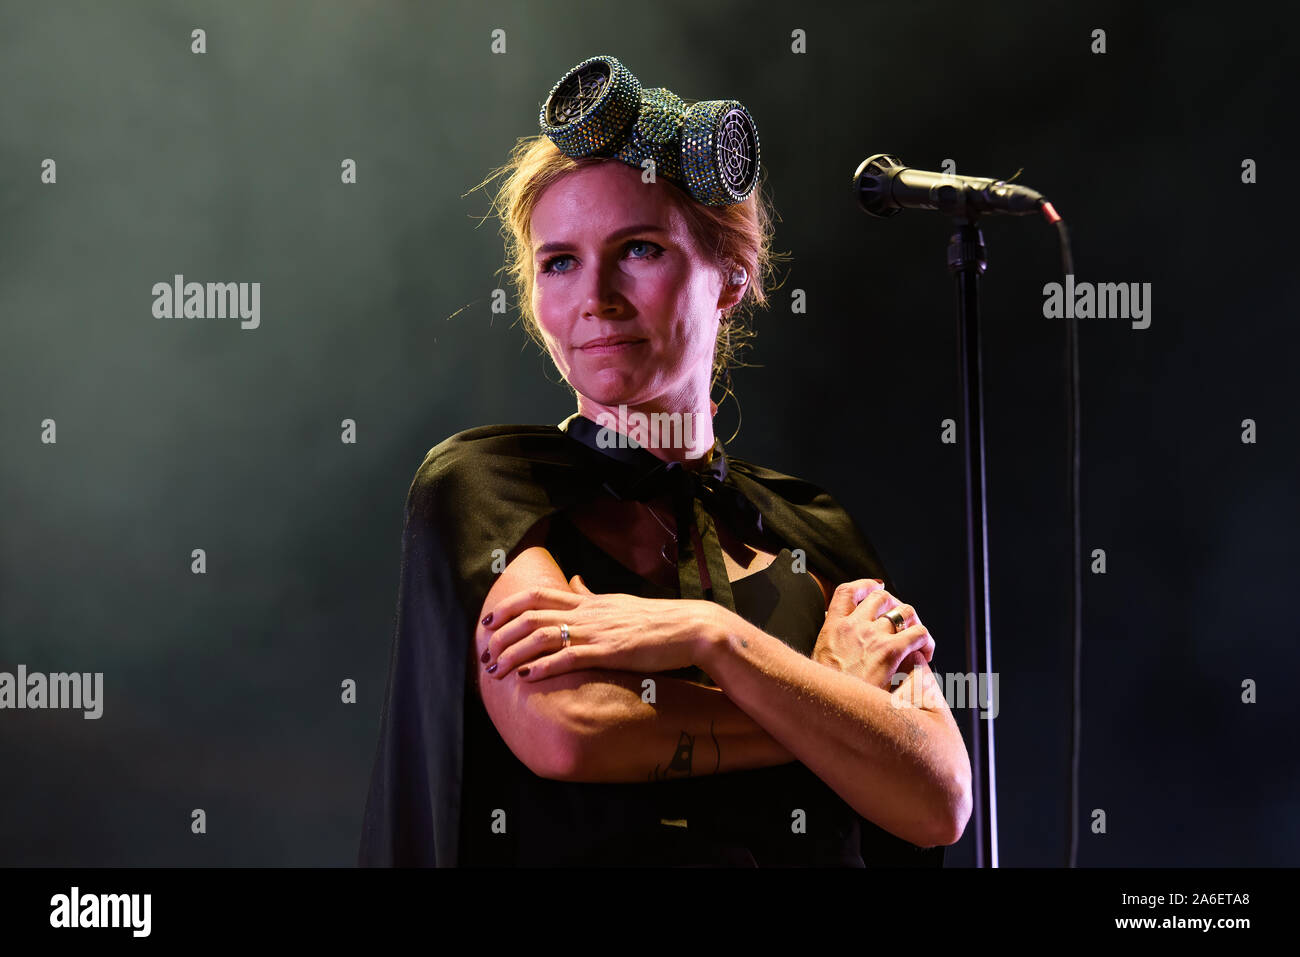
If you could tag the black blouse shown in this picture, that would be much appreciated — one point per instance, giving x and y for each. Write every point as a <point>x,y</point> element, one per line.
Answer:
<point>777,816</point>
<point>447,791</point>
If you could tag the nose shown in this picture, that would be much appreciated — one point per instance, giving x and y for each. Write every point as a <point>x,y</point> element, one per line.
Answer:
<point>603,299</point>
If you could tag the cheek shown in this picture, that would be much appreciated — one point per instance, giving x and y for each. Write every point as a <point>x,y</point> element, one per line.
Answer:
<point>702,332</point>
<point>540,305</point>
<point>548,331</point>
<point>547,323</point>
<point>556,353</point>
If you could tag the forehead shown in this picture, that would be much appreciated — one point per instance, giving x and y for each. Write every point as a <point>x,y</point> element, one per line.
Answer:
<point>593,201</point>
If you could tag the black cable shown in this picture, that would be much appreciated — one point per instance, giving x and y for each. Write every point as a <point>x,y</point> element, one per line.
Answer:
<point>1073,431</point>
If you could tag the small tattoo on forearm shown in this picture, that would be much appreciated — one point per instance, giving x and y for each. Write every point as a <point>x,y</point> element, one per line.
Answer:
<point>680,765</point>
<point>744,643</point>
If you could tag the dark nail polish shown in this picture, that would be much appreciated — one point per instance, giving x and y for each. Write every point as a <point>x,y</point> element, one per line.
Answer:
<point>486,656</point>
<point>492,667</point>
<point>523,672</point>
<point>487,619</point>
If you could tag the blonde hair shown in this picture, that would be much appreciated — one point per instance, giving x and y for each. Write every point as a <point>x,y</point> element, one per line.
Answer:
<point>736,235</point>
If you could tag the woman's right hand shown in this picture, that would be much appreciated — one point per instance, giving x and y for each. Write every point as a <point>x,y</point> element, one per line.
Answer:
<point>856,640</point>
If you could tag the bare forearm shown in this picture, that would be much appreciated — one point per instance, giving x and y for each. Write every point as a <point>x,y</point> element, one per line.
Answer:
<point>689,730</point>
<point>904,768</point>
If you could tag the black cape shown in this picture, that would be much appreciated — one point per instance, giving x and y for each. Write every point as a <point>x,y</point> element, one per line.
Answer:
<point>471,502</point>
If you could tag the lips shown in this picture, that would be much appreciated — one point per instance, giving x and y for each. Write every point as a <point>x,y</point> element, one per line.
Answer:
<point>609,341</point>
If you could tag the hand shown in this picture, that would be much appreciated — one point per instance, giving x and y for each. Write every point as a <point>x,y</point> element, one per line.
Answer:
<point>616,631</point>
<point>855,642</point>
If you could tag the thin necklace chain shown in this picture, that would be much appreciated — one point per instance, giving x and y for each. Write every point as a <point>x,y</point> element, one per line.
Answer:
<point>663,551</point>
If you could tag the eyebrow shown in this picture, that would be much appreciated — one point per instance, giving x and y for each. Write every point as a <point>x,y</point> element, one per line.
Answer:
<point>617,234</point>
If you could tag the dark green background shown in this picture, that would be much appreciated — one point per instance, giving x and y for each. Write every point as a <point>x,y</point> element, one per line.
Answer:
<point>222,691</point>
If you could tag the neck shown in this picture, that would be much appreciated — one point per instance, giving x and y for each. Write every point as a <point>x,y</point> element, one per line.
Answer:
<point>670,432</point>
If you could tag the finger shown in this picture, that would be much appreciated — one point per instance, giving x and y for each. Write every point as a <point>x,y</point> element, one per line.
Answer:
<point>524,625</point>
<point>875,605</point>
<point>848,595</point>
<point>520,627</point>
<point>580,586</point>
<point>513,605</point>
<point>925,690</point>
<point>906,669</point>
<point>572,658</point>
<point>545,640</point>
<point>921,656</point>
<point>911,683</point>
<point>914,659</point>
<point>914,639</point>
<point>907,611</point>
<point>929,647</point>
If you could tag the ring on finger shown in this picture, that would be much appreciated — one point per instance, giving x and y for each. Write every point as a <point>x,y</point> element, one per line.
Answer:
<point>896,618</point>
<point>564,635</point>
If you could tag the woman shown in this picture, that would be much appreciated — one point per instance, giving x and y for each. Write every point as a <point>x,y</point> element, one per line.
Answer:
<point>647,652</point>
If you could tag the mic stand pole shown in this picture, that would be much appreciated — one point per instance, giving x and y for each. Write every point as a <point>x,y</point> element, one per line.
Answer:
<point>966,261</point>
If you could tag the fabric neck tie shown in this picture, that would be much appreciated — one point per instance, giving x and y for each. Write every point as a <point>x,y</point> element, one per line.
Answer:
<point>636,473</point>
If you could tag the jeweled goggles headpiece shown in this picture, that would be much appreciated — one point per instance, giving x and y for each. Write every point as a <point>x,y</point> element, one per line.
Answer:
<point>709,148</point>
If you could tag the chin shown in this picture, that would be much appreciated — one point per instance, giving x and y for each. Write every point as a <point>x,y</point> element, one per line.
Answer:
<point>609,388</point>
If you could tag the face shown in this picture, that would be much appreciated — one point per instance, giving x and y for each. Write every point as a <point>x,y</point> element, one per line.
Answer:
<point>613,259</point>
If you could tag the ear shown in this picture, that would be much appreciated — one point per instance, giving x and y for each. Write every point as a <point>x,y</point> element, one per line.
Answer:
<point>732,293</point>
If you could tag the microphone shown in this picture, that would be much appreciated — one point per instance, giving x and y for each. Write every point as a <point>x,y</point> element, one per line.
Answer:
<point>885,187</point>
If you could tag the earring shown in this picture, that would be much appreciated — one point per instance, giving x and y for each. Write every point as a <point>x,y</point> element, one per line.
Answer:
<point>738,276</point>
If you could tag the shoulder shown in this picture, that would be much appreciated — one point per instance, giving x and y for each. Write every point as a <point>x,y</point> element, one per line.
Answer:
<point>475,456</point>
<point>793,489</point>
<point>480,445</point>
<point>803,511</point>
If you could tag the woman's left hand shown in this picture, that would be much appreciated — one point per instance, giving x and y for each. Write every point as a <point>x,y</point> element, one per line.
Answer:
<point>616,631</point>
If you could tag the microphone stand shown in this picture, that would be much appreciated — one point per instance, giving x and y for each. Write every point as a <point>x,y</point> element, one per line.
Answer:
<point>967,262</point>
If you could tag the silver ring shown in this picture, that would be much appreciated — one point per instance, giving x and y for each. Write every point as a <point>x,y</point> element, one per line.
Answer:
<point>564,633</point>
<point>896,618</point>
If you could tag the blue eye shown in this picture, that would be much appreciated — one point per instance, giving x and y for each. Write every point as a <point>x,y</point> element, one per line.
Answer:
<point>642,242</point>
<point>549,265</point>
